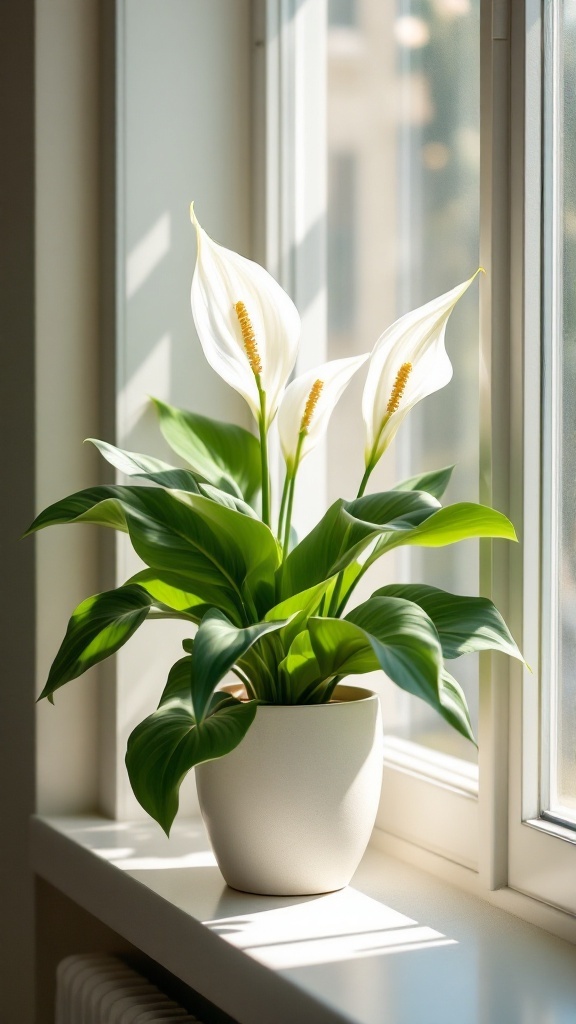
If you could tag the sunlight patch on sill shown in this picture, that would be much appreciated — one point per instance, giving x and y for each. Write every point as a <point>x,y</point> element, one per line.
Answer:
<point>348,947</point>
<point>311,933</point>
<point>123,858</point>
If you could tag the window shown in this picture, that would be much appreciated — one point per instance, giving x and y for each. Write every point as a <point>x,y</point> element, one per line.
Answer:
<point>256,79</point>
<point>403,123</point>
<point>432,800</point>
<point>403,116</point>
<point>542,836</point>
<point>559,451</point>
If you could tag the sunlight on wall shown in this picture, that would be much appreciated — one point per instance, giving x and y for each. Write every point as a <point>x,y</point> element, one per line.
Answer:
<point>147,254</point>
<point>152,377</point>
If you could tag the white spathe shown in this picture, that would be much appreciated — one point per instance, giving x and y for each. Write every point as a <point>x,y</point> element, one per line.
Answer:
<point>291,809</point>
<point>416,338</point>
<point>221,279</point>
<point>334,376</point>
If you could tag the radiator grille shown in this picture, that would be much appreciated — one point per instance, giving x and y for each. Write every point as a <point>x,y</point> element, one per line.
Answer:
<point>102,989</point>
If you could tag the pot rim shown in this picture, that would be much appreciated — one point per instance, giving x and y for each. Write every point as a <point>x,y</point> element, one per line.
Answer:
<point>350,694</point>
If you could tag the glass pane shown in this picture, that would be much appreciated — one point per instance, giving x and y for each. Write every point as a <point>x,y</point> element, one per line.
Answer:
<point>403,137</point>
<point>560,382</point>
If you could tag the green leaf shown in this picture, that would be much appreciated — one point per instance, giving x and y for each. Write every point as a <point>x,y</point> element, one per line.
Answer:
<point>384,632</point>
<point>298,609</point>
<point>230,500</point>
<point>464,624</point>
<point>179,682</point>
<point>434,482</point>
<point>173,592</point>
<point>93,505</point>
<point>218,645</point>
<point>260,553</point>
<point>173,478</point>
<point>454,708</point>
<point>455,523</point>
<point>229,558</point>
<point>221,453</point>
<point>446,697</point>
<point>345,531</point>
<point>99,626</point>
<point>166,745</point>
<point>300,671</point>
<point>145,466</point>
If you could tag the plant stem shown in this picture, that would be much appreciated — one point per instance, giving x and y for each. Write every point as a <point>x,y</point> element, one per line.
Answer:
<point>373,460</point>
<point>365,479</point>
<point>335,599</point>
<point>330,687</point>
<point>348,595</point>
<point>264,455</point>
<point>271,686</point>
<point>291,489</point>
<point>246,683</point>
<point>283,503</point>
<point>286,538</point>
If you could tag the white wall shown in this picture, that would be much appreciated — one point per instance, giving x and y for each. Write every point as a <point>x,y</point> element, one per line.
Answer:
<point>179,127</point>
<point>184,120</point>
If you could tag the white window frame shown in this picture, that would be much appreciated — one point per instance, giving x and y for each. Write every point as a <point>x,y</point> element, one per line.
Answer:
<point>542,854</point>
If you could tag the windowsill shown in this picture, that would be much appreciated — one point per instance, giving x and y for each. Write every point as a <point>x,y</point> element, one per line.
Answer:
<point>396,947</point>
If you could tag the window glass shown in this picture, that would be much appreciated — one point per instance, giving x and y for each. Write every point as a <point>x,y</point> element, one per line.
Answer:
<point>403,140</point>
<point>342,12</point>
<point>559,661</point>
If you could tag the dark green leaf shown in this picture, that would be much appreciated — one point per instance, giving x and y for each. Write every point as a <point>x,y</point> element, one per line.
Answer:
<point>228,557</point>
<point>221,453</point>
<point>453,706</point>
<point>145,466</point>
<point>217,647</point>
<point>345,531</point>
<point>173,480</point>
<point>298,609</point>
<point>94,505</point>
<point>230,500</point>
<point>99,626</point>
<point>166,745</point>
<point>434,482</point>
<point>179,682</point>
<point>387,633</point>
<point>416,664</point>
<point>299,670</point>
<point>464,624</point>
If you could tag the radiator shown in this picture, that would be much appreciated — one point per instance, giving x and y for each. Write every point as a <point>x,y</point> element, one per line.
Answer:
<point>101,989</point>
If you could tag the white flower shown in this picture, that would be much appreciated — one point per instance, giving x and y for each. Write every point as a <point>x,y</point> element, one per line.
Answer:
<point>408,362</point>
<point>248,326</point>
<point>308,403</point>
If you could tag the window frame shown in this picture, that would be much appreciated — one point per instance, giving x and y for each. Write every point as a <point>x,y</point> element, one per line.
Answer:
<point>496,840</point>
<point>501,842</point>
<point>542,854</point>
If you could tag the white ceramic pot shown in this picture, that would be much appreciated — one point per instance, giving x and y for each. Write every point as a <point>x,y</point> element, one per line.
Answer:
<point>290,810</point>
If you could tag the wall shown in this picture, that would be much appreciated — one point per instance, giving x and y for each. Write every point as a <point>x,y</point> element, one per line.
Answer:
<point>17,618</point>
<point>75,182</point>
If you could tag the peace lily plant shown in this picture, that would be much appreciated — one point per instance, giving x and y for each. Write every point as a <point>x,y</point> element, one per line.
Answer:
<point>270,610</point>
